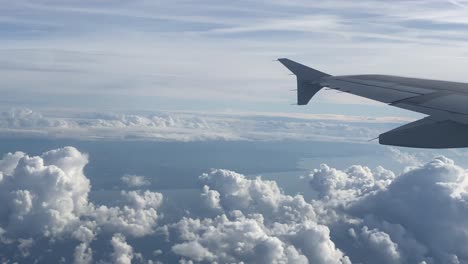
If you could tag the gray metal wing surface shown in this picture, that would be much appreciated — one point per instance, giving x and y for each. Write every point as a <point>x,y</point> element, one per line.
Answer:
<point>445,103</point>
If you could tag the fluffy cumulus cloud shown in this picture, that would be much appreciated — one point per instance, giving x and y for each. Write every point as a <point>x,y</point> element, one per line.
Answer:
<point>46,194</point>
<point>83,254</point>
<point>379,245</point>
<point>336,189</point>
<point>355,215</point>
<point>256,223</point>
<point>123,252</point>
<point>46,197</point>
<point>189,126</point>
<point>425,208</point>
<point>377,217</point>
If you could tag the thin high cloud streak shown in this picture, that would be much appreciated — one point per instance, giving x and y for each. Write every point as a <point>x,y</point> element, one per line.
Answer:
<point>334,17</point>
<point>178,11</point>
<point>222,52</point>
<point>180,126</point>
<point>356,215</point>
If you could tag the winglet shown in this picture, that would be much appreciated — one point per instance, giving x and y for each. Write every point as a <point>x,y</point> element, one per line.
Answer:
<point>306,73</point>
<point>308,80</point>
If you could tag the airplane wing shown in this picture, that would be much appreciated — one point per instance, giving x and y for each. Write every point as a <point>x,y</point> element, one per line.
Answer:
<point>445,103</point>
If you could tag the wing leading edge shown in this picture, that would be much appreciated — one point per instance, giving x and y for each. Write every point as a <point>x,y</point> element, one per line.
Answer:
<point>444,102</point>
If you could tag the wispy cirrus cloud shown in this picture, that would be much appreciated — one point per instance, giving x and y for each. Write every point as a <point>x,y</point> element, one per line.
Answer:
<point>220,52</point>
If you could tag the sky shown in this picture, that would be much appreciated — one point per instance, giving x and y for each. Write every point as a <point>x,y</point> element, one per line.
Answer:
<point>163,132</point>
<point>218,56</point>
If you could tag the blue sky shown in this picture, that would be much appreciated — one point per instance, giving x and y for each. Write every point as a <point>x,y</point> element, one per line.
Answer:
<point>217,56</point>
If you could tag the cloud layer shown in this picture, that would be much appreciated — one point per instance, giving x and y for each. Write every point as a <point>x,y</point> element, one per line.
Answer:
<point>414,217</point>
<point>356,215</point>
<point>46,197</point>
<point>257,223</point>
<point>192,127</point>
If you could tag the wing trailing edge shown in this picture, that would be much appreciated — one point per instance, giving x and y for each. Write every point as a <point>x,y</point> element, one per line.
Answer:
<point>444,102</point>
<point>427,133</point>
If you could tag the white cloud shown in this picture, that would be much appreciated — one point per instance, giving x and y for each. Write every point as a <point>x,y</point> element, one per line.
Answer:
<point>180,126</point>
<point>135,181</point>
<point>246,239</point>
<point>139,218</point>
<point>193,250</point>
<point>257,196</point>
<point>410,218</point>
<point>83,254</point>
<point>123,252</point>
<point>211,198</point>
<point>26,118</point>
<point>257,223</point>
<point>375,215</point>
<point>380,245</point>
<point>45,194</point>
<point>46,197</point>
<point>338,189</point>
<point>430,203</point>
<point>357,215</point>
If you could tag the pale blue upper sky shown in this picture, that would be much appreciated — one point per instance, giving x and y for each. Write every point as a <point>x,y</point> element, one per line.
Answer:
<point>217,55</point>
